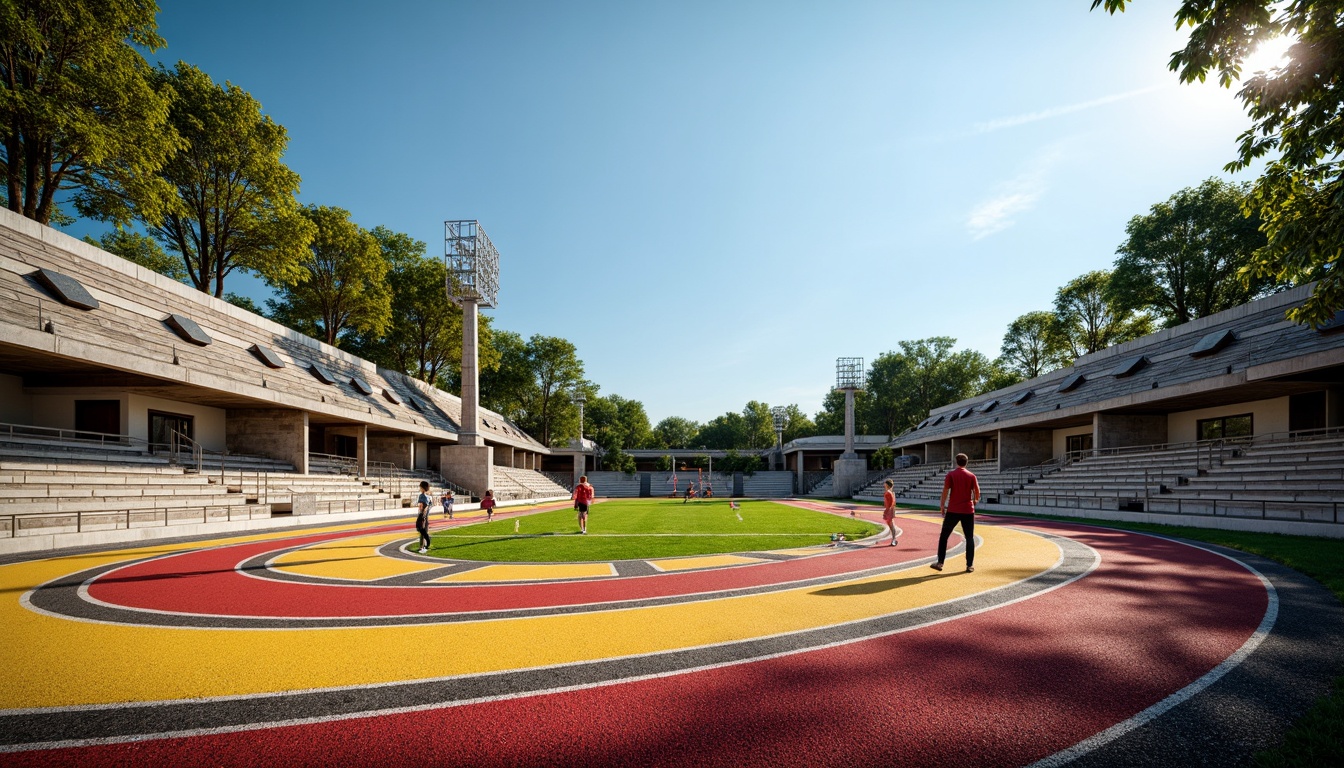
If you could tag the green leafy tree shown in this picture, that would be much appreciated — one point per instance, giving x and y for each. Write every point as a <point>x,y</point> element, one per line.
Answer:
<point>616,460</point>
<point>1295,112</point>
<point>998,376</point>
<point>797,424</point>
<point>423,337</point>
<point>534,383</point>
<point>1185,258</point>
<point>830,419</point>
<point>726,431</point>
<point>733,461</point>
<point>1090,317</point>
<point>676,432</point>
<point>1034,344</point>
<point>502,385</point>
<point>346,286</point>
<point>663,463</point>
<point>758,426</point>
<point>234,206</point>
<point>882,458</point>
<point>142,250</point>
<point>80,110</point>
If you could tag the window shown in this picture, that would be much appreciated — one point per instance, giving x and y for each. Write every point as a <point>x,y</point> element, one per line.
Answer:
<point>99,417</point>
<point>1224,427</point>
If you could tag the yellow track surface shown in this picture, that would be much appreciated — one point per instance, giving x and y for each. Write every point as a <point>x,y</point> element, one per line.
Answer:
<point>53,661</point>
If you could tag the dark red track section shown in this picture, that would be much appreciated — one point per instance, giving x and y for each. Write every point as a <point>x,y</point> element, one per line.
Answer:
<point>205,583</point>
<point>1005,687</point>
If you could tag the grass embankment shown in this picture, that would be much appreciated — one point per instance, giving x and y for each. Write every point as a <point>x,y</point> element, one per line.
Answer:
<point>630,529</point>
<point>1317,739</point>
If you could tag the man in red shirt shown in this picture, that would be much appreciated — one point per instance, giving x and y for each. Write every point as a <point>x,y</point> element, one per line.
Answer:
<point>961,491</point>
<point>583,496</point>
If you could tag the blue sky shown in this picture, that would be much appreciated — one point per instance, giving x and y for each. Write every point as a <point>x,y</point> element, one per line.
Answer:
<point>715,200</point>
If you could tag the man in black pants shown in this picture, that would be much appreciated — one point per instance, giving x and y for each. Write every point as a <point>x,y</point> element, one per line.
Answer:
<point>422,517</point>
<point>961,491</point>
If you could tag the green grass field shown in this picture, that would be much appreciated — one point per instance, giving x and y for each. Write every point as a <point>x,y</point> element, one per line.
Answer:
<point>630,529</point>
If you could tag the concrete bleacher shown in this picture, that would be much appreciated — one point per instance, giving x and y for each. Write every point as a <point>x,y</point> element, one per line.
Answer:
<point>768,485</point>
<point>617,485</point>
<point>515,483</point>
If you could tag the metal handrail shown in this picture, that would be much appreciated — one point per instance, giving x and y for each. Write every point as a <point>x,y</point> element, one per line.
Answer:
<point>177,441</point>
<point>72,435</point>
<point>1113,502</point>
<point>347,465</point>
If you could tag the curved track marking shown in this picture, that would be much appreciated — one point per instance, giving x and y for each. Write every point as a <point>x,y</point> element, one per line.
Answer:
<point>796,661</point>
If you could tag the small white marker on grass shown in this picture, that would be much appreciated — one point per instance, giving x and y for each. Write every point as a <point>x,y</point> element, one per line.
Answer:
<point>515,525</point>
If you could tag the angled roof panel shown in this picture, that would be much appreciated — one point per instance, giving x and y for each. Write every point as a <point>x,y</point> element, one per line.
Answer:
<point>267,356</point>
<point>1213,343</point>
<point>187,328</point>
<point>66,289</point>
<point>1073,382</point>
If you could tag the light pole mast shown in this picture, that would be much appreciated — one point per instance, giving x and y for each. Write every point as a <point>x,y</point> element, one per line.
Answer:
<point>472,264</point>
<point>850,470</point>
<point>780,416</point>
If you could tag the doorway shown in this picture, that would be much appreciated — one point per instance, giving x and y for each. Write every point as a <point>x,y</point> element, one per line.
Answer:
<point>163,425</point>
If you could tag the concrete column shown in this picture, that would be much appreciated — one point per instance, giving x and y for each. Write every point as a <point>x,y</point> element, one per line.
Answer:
<point>362,450</point>
<point>470,466</point>
<point>849,424</point>
<point>1025,447</point>
<point>1113,430</point>
<point>471,396</point>
<point>799,457</point>
<point>579,467</point>
<point>277,433</point>
<point>503,456</point>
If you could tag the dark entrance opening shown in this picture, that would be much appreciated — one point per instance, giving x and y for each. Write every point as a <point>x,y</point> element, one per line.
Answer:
<point>102,417</point>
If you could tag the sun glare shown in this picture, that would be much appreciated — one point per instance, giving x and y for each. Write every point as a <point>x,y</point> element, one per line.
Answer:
<point>1268,55</point>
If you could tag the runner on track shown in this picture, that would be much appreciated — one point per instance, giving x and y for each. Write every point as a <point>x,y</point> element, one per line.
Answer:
<point>889,510</point>
<point>422,516</point>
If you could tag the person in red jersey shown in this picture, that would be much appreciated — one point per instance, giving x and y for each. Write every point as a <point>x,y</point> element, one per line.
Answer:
<point>488,504</point>
<point>889,510</point>
<point>583,496</point>
<point>961,491</point>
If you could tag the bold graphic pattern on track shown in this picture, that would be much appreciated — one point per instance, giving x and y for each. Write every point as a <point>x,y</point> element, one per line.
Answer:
<point>336,646</point>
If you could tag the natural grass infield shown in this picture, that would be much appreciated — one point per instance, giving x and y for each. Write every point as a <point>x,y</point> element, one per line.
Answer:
<point>631,529</point>
<point>1317,739</point>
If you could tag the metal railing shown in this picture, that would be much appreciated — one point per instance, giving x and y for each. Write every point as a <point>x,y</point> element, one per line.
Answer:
<point>12,524</point>
<point>179,444</point>
<point>69,435</point>
<point>1328,511</point>
<point>344,465</point>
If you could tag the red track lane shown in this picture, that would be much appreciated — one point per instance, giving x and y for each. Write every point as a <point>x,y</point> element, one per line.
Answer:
<point>205,583</point>
<point>1005,687</point>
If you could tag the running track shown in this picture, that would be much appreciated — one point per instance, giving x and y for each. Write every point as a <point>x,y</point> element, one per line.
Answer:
<point>336,646</point>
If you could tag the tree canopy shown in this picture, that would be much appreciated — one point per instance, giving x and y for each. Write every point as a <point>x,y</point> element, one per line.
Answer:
<point>1187,257</point>
<point>345,289</point>
<point>1295,112</point>
<point>675,432</point>
<point>1034,344</point>
<point>234,206</point>
<point>80,109</point>
<point>1091,319</point>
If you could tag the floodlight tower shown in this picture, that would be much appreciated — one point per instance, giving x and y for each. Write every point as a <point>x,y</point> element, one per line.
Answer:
<point>849,470</point>
<point>780,416</point>
<point>473,281</point>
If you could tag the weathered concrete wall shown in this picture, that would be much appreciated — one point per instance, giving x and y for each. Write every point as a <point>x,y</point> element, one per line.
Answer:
<point>278,433</point>
<point>973,447</point>
<point>1025,447</point>
<point>1115,430</point>
<point>503,456</point>
<point>398,450</point>
<point>935,453</point>
<point>470,466</point>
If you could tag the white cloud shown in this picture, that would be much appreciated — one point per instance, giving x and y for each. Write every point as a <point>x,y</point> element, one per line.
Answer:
<point>1017,195</point>
<point>1045,114</point>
